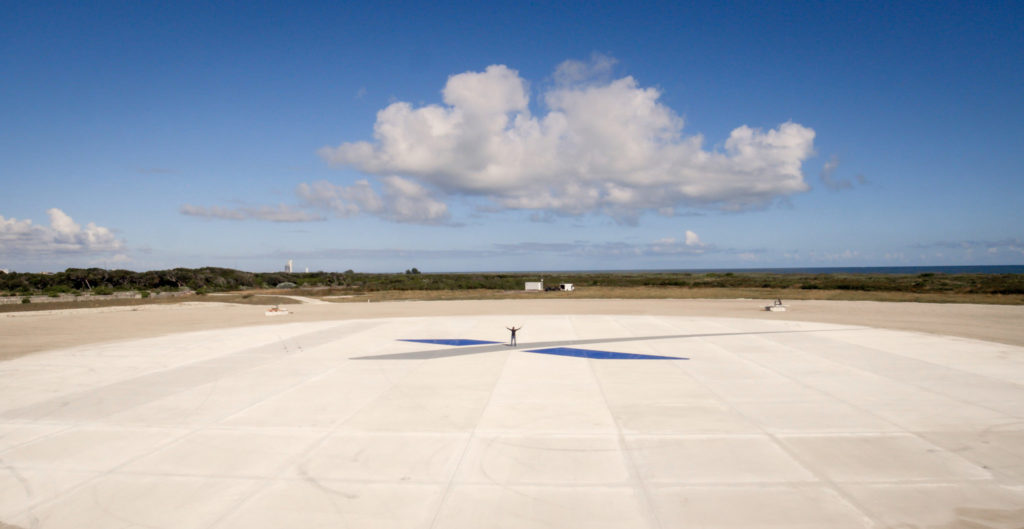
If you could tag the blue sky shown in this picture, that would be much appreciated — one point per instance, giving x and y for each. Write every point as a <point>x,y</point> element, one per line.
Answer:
<point>492,136</point>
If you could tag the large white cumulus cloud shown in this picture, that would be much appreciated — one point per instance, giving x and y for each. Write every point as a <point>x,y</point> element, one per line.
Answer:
<point>63,235</point>
<point>602,146</point>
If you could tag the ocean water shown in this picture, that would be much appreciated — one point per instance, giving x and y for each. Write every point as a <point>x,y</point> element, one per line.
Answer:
<point>1000,269</point>
<point>913,270</point>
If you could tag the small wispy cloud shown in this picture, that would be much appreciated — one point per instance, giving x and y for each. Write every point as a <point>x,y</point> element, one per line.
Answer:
<point>279,213</point>
<point>598,70</point>
<point>689,245</point>
<point>830,181</point>
<point>211,212</point>
<point>1012,246</point>
<point>344,254</point>
<point>402,200</point>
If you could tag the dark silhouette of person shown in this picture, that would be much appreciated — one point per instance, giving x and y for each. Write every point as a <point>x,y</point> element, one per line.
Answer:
<point>512,341</point>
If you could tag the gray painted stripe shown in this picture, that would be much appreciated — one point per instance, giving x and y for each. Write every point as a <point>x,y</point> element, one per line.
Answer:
<point>95,403</point>
<point>459,351</point>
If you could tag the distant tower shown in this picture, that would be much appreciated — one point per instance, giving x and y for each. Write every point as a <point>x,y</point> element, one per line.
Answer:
<point>288,267</point>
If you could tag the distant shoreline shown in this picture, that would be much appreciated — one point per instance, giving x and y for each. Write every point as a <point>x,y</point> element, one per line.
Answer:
<point>898,270</point>
<point>894,270</point>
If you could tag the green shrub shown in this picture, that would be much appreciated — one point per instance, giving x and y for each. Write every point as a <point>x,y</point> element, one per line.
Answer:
<point>26,299</point>
<point>102,291</point>
<point>56,290</point>
<point>144,294</point>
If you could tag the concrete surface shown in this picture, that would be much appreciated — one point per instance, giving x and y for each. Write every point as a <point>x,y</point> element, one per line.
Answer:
<point>767,423</point>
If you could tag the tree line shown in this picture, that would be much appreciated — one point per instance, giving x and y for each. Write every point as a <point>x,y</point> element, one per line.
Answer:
<point>212,279</point>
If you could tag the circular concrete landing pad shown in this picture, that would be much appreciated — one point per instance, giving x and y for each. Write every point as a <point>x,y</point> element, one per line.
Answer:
<point>711,422</point>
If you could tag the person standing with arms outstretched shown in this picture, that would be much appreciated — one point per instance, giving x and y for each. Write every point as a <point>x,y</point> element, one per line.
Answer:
<point>513,329</point>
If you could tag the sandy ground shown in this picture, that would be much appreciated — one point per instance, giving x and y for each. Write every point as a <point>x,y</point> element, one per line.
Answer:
<point>30,332</point>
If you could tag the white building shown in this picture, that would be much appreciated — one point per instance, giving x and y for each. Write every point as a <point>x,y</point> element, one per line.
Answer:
<point>288,267</point>
<point>535,286</point>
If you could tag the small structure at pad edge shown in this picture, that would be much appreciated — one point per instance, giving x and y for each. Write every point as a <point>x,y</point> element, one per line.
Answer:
<point>276,310</point>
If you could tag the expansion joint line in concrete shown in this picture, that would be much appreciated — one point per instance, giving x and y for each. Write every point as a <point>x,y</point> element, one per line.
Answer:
<point>265,484</point>
<point>170,441</point>
<point>801,383</point>
<point>295,459</point>
<point>818,475</point>
<point>639,484</point>
<point>465,449</point>
<point>989,381</point>
<point>99,475</point>
<point>900,428</point>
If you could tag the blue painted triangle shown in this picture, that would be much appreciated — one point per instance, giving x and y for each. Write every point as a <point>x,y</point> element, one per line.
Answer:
<point>601,355</point>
